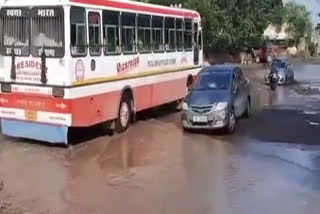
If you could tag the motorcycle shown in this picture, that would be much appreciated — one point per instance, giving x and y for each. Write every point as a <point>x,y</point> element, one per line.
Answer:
<point>273,81</point>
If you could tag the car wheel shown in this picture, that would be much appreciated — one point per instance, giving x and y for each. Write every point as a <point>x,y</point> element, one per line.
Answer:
<point>231,127</point>
<point>124,114</point>
<point>247,112</point>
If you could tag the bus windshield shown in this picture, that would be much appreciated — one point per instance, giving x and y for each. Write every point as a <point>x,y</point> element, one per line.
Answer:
<point>44,25</point>
<point>47,31</point>
<point>15,30</point>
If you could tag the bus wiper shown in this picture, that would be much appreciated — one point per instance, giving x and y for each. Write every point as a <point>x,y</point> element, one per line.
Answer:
<point>13,64</point>
<point>43,67</point>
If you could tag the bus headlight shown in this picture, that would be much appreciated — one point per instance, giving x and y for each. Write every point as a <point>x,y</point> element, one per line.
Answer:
<point>58,92</point>
<point>5,87</point>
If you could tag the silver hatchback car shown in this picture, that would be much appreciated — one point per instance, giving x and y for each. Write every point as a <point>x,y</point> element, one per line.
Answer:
<point>220,95</point>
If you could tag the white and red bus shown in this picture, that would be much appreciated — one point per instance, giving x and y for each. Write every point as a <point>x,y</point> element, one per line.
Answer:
<point>77,63</point>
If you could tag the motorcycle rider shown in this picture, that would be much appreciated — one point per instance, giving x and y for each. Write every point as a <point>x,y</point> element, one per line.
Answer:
<point>273,70</point>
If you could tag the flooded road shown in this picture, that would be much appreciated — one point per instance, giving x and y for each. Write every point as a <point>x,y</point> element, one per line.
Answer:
<point>270,165</point>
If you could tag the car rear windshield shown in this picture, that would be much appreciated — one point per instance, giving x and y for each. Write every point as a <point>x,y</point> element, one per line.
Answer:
<point>212,80</point>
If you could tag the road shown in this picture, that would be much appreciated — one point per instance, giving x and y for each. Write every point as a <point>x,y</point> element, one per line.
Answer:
<point>270,165</point>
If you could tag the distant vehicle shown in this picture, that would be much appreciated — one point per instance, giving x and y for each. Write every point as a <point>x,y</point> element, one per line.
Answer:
<point>220,94</point>
<point>284,70</point>
<point>273,79</point>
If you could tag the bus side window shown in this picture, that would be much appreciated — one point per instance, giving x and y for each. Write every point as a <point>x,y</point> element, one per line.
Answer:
<point>78,31</point>
<point>111,30</point>
<point>179,34</point>
<point>1,32</point>
<point>144,33</point>
<point>188,34</point>
<point>195,35</point>
<point>170,35</point>
<point>128,32</point>
<point>94,34</point>
<point>200,40</point>
<point>157,33</point>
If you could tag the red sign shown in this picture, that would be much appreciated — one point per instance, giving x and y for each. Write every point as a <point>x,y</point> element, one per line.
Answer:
<point>35,103</point>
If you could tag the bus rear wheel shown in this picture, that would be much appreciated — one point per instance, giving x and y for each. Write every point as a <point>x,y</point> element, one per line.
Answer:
<point>124,114</point>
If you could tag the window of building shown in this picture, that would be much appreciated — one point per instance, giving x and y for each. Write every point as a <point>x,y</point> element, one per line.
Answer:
<point>157,33</point>
<point>179,34</point>
<point>188,34</point>
<point>78,31</point>
<point>111,29</point>
<point>128,32</point>
<point>94,34</point>
<point>144,33</point>
<point>170,34</point>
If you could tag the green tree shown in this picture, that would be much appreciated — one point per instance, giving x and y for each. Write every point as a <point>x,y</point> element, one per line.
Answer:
<point>233,24</point>
<point>299,23</point>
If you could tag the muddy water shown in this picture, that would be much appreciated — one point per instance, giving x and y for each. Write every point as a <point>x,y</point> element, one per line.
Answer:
<point>153,168</point>
<point>157,168</point>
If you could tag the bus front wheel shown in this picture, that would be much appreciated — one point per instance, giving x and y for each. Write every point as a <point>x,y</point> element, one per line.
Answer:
<point>124,114</point>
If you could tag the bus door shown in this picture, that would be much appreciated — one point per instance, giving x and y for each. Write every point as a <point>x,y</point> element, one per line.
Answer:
<point>196,49</point>
<point>95,47</point>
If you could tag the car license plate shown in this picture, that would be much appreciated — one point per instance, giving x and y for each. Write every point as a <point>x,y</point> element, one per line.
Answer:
<point>31,115</point>
<point>200,119</point>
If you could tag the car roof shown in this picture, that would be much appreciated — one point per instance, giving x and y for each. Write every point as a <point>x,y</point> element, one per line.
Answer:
<point>221,68</point>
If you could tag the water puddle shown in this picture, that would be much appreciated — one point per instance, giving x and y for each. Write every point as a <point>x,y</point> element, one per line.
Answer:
<point>307,157</point>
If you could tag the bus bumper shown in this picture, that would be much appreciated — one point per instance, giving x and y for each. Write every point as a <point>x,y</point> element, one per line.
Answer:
<point>35,131</point>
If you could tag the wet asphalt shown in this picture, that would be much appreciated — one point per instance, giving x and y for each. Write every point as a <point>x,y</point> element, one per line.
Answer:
<point>270,165</point>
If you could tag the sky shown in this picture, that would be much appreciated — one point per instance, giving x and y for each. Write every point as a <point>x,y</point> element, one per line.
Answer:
<point>313,6</point>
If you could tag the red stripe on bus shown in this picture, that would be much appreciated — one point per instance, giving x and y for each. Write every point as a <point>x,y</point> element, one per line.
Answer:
<point>137,7</point>
<point>33,102</point>
<point>91,110</point>
<point>95,109</point>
